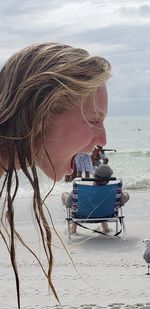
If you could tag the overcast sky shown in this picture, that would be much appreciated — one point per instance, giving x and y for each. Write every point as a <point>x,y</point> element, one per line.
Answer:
<point>118,30</point>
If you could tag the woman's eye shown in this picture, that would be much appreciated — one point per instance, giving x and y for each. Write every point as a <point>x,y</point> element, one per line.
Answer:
<point>96,123</point>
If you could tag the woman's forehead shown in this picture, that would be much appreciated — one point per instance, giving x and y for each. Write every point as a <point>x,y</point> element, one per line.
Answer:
<point>96,102</point>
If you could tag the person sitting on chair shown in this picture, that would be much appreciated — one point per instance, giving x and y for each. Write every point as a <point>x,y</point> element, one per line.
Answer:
<point>106,172</point>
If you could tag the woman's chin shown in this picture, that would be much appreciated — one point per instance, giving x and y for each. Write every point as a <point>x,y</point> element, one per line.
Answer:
<point>58,174</point>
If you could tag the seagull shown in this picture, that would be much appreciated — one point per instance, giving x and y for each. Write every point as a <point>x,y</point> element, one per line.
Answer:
<point>146,254</point>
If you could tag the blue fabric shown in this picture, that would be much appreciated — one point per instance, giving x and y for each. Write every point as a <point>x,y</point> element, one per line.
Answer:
<point>91,201</point>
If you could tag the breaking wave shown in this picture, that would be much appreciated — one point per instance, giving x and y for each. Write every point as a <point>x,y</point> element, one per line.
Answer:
<point>136,153</point>
<point>137,183</point>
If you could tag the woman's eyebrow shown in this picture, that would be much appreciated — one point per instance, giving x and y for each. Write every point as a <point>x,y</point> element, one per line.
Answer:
<point>96,115</point>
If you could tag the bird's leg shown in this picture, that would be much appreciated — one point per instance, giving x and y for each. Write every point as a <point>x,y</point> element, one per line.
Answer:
<point>148,269</point>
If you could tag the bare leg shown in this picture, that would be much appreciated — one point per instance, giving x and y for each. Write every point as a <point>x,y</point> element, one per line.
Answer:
<point>79,174</point>
<point>105,227</point>
<point>73,228</point>
<point>126,196</point>
<point>87,174</point>
<point>64,197</point>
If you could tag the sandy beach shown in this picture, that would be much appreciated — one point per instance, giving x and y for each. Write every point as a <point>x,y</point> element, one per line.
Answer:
<point>108,272</point>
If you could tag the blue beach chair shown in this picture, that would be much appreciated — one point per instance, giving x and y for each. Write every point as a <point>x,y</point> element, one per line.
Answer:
<point>96,204</point>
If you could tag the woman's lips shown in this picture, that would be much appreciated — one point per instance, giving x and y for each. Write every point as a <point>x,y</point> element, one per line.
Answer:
<point>72,162</point>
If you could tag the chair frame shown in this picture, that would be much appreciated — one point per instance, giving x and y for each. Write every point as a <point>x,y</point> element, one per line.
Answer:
<point>116,218</point>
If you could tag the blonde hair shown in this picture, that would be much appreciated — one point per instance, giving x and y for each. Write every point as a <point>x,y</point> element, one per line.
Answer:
<point>37,82</point>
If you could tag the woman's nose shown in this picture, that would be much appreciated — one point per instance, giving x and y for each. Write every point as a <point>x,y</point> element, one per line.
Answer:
<point>101,137</point>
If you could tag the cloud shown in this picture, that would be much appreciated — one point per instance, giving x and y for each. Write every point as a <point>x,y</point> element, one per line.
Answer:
<point>117,30</point>
<point>134,12</point>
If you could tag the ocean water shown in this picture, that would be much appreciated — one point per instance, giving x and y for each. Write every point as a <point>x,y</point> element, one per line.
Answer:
<point>130,136</point>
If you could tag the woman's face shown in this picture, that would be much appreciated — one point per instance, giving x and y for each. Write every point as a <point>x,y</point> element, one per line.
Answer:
<point>70,133</point>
